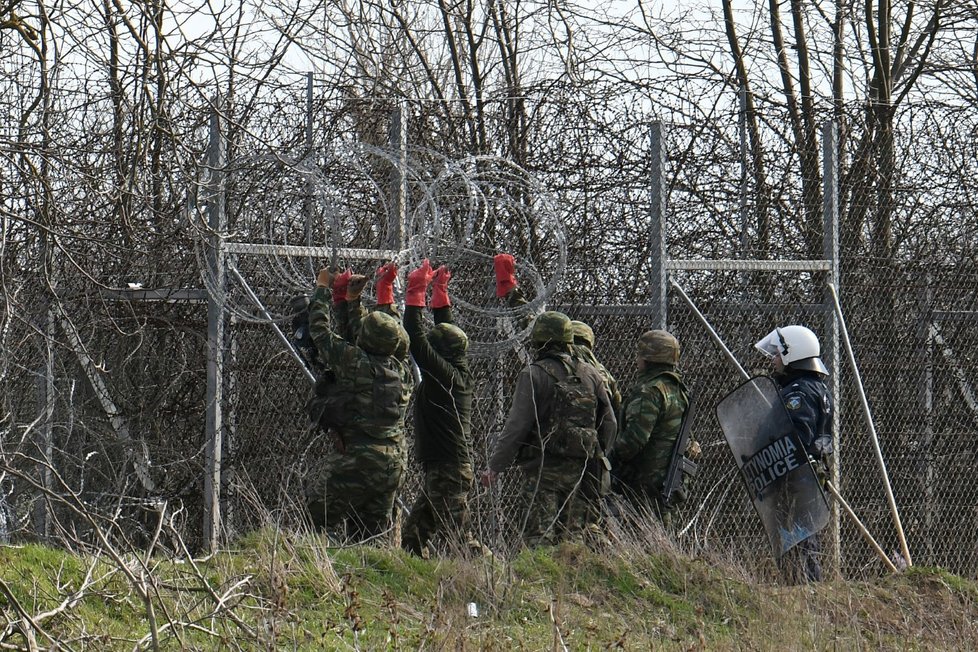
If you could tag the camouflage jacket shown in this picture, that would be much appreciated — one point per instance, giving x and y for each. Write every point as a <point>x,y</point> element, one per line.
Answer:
<point>652,414</point>
<point>587,355</point>
<point>371,391</point>
<point>443,402</point>
<point>532,417</point>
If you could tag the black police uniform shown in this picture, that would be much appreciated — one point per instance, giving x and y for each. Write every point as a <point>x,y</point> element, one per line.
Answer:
<point>809,403</point>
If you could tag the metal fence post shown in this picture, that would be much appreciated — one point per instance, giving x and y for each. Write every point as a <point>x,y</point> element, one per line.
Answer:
<point>215,335</point>
<point>830,249</point>
<point>657,225</point>
<point>398,141</point>
<point>42,519</point>
<point>308,203</point>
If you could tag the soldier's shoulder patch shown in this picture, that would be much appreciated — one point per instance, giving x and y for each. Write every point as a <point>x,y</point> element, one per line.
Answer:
<point>792,401</point>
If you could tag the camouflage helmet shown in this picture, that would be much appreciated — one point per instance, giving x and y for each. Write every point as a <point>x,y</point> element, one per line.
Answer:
<point>381,334</point>
<point>552,326</point>
<point>583,334</point>
<point>658,346</point>
<point>448,340</point>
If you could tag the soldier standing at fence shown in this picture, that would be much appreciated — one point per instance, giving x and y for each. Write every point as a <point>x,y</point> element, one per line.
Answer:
<point>652,414</point>
<point>364,412</point>
<point>583,349</point>
<point>794,353</point>
<point>442,413</point>
<point>559,426</point>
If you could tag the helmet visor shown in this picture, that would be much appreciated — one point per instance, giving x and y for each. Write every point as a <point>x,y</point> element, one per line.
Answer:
<point>772,345</point>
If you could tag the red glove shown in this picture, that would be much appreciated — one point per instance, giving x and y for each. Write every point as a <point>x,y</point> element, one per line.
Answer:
<point>505,267</point>
<point>340,282</point>
<point>439,288</point>
<point>417,284</point>
<point>385,284</point>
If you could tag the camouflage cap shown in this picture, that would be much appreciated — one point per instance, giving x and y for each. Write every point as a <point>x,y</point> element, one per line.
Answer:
<point>449,340</point>
<point>583,334</point>
<point>381,334</point>
<point>658,346</point>
<point>552,326</point>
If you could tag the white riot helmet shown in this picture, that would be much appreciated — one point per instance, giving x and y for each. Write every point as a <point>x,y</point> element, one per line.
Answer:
<point>797,345</point>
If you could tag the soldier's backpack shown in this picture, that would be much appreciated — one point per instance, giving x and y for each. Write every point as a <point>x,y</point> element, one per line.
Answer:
<point>573,432</point>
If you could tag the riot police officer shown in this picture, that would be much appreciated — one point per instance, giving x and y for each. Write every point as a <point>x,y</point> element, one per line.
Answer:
<point>794,353</point>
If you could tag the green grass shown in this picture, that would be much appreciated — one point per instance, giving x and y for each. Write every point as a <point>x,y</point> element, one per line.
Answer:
<point>276,591</point>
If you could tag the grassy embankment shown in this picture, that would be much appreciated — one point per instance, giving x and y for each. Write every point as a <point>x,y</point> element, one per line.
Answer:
<point>279,592</point>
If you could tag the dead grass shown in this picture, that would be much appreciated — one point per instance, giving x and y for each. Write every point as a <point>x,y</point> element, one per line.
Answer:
<point>637,591</point>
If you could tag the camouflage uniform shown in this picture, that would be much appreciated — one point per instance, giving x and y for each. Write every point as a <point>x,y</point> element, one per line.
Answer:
<point>558,453</point>
<point>583,349</point>
<point>442,428</point>
<point>365,413</point>
<point>651,419</point>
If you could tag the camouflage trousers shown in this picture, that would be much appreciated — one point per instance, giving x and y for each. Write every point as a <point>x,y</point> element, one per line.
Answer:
<point>360,487</point>
<point>647,499</point>
<point>561,499</point>
<point>642,481</point>
<point>442,508</point>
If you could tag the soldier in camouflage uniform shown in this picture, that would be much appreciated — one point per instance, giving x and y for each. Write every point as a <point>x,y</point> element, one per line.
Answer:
<point>583,348</point>
<point>652,414</point>
<point>364,412</point>
<point>442,413</point>
<point>559,425</point>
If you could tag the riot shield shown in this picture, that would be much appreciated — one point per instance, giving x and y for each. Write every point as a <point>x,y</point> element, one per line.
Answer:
<point>773,464</point>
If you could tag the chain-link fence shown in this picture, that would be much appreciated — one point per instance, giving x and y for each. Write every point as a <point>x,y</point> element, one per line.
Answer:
<point>114,384</point>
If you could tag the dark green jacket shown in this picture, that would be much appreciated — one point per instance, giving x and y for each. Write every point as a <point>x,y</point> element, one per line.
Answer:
<point>371,391</point>
<point>443,400</point>
<point>652,414</point>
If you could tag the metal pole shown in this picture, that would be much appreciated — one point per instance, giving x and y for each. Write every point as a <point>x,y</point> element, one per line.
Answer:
<point>264,312</point>
<point>215,336</point>
<point>744,172</point>
<point>398,140</point>
<point>709,329</point>
<point>307,206</point>
<point>859,526</point>
<point>41,514</point>
<point>657,225</point>
<point>830,252</point>
<point>894,512</point>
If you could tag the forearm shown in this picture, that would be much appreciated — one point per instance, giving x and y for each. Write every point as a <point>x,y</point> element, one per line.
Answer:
<point>321,326</point>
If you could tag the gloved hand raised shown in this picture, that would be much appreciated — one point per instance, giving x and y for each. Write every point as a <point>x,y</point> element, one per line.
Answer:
<point>340,281</point>
<point>386,274</point>
<point>417,284</point>
<point>324,278</point>
<point>439,288</point>
<point>504,266</point>
<point>355,287</point>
